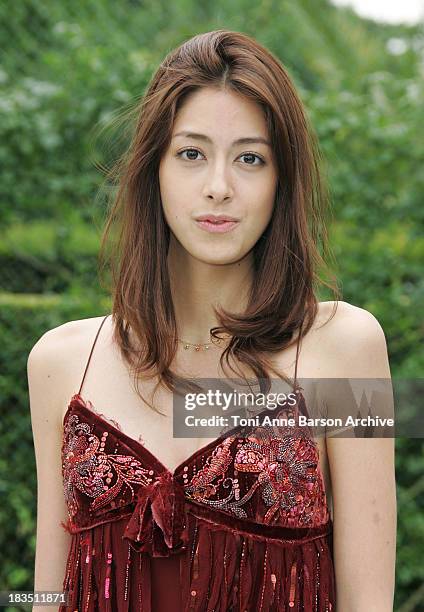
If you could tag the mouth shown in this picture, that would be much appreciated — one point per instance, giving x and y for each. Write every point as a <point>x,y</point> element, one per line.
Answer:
<point>217,226</point>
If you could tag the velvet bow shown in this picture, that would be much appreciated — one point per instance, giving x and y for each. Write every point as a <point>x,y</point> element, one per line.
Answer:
<point>158,524</point>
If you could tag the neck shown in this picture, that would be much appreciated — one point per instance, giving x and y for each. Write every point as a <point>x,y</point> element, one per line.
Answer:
<point>197,286</point>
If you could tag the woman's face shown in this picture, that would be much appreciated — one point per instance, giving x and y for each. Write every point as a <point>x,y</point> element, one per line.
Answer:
<point>207,170</point>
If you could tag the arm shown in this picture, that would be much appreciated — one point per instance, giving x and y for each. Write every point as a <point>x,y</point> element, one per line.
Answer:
<point>363,479</point>
<point>46,398</point>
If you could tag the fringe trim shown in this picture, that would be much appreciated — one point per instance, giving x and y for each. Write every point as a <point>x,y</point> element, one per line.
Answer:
<point>221,571</point>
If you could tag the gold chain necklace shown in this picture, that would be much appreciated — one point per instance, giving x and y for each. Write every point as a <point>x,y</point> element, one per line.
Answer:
<point>197,347</point>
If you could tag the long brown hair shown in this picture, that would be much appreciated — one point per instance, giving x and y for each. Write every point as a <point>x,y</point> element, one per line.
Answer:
<point>289,258</point>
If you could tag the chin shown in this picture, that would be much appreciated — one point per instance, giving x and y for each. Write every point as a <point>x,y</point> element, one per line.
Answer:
<point>217,258</point>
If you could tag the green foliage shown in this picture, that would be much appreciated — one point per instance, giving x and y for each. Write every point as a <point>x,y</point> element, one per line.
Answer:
<point>48,256</point>
<point>70,67</point>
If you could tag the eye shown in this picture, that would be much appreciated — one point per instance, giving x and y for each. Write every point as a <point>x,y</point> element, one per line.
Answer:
<point>193,156</point>
<point>195,151</point>
<point>252,155</point>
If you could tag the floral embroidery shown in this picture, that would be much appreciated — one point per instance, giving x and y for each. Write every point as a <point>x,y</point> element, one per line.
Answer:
<point>285,465</point>
<point>87,467</point>
<point>280,463</point>
<point>205,483</point>
<point>215,467</point>
<point>287,470</point>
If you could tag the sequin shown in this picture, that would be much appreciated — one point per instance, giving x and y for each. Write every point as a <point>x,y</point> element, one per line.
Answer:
<point>282,465</point>
<point>246,521</point>
<point>89,470</point>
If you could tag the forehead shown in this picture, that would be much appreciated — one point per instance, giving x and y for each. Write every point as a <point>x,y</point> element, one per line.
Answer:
<point>220,111</point>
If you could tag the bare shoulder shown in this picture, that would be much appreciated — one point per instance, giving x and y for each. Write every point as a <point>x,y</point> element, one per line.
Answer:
<point>342,317</point>
<point>54,362</point>
<point>66,331</point>
<point>350,340</point>
<point>50,343</point>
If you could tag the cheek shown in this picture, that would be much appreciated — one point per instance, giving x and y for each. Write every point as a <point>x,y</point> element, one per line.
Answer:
<point>263,200</point>
<point>261,185</point>
<point>175,189</point>
<point>175,210</point>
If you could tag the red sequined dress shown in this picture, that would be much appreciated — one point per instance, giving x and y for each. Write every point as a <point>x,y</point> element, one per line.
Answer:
<point>241,525</point>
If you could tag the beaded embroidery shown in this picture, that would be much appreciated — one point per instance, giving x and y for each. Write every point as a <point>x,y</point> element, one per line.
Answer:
<point>282,462</point>
<point>284,465</point>
<point>287,470</point>
<point>87,467</point>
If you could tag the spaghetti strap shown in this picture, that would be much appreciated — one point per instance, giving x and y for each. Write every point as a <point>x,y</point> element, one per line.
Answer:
<point>91,352</point>
<point>295,385</point>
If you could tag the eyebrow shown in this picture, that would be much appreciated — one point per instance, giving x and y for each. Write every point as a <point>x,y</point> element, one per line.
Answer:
<point>245,140</point>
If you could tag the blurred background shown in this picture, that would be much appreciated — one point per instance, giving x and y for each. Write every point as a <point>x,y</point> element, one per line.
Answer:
<point>68,68</point>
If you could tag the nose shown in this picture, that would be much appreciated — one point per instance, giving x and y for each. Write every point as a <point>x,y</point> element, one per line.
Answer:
<point>218,185</point>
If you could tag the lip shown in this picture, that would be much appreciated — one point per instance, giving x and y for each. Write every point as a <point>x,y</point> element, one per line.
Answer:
<point>216,218</point>
<point>217,228</point>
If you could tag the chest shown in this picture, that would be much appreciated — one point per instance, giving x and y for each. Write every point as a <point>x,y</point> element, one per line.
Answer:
<point>254,459</point>
<point>154,428</point>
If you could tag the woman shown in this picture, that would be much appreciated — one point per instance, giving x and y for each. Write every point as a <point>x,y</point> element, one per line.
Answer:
<point>219,214</point>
